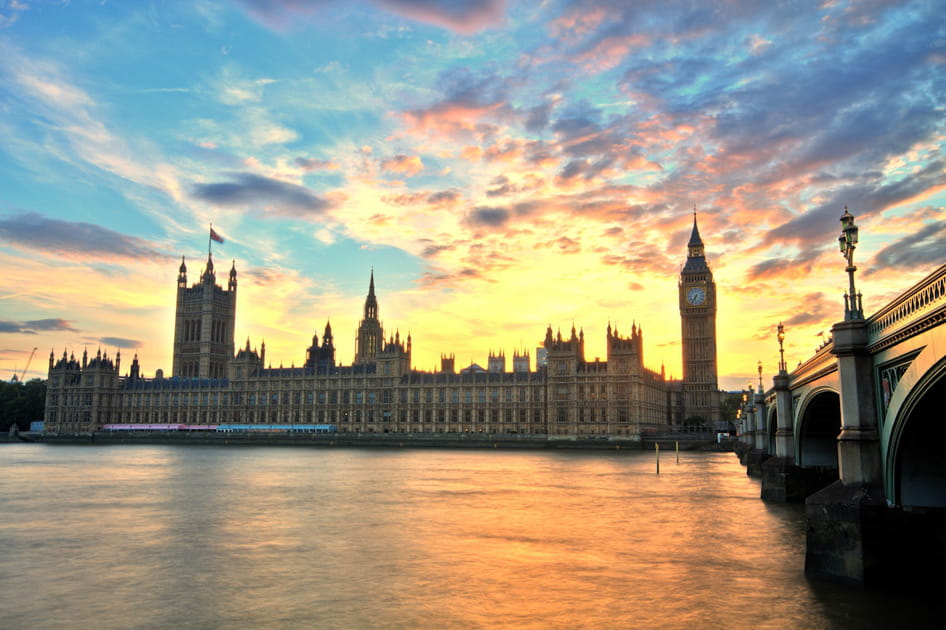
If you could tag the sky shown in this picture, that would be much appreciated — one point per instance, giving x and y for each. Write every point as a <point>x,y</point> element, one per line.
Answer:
<point>501,166</point>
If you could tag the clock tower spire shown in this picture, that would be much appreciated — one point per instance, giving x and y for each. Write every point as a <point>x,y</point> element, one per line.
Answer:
<point>698,319</point>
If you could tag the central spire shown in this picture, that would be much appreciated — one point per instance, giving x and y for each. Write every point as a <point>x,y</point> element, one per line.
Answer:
<point>370,339</point>
<point>371,302</point>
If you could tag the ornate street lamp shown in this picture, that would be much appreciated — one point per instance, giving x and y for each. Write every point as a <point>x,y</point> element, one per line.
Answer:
<point>847,242</point>
<point>781,348</point>
<point>761,388</point>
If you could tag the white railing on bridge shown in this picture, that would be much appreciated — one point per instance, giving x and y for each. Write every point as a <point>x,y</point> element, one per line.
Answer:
<point>910,308</point>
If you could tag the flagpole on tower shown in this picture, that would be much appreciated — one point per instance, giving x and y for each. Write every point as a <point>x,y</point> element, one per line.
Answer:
<point>213,237</point>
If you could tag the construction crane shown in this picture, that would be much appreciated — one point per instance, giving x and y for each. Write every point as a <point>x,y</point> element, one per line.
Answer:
<point>28,361</point>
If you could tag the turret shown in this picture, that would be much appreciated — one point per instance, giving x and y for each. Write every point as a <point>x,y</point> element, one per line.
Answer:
<point>209,276</point>
<point>496,364</point>
<point>447,364</point>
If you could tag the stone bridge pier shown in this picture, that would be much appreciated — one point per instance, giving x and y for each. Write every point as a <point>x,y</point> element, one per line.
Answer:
<point>847,520</point>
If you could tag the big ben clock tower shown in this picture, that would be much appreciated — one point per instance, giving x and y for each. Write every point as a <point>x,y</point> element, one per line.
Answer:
<point>698,318</point>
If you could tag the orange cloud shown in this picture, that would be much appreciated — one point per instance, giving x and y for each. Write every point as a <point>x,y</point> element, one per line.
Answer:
<point>409,165</point>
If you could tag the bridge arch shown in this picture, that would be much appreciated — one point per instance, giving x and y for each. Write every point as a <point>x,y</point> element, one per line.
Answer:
<point>771,426</point>
<point>817,429</point>
<point>915,471</point>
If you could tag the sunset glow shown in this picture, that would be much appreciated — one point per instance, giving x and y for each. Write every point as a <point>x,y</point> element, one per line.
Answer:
<point>500,165</point>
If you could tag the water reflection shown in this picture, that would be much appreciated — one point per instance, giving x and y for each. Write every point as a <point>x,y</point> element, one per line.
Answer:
<point>117,537</point>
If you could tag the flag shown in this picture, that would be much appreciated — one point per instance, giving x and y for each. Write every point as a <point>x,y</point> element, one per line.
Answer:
<point>215,237</point>
<point>820,334</point>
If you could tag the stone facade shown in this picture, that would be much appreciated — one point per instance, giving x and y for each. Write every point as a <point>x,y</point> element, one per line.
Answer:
<point>565,396</point>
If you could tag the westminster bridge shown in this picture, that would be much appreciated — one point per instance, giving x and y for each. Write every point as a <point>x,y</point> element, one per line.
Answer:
<point>856,432</point>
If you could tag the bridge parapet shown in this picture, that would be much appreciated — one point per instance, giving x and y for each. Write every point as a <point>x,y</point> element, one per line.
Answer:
<point>823,362</point>
<point>919,308</point>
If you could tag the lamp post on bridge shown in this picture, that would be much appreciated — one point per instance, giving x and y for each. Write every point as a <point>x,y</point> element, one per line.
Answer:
<point>858,445</point>
<point>848,242</point>
<point>847,521</point>
<point>755,404</point>
<point>781,348</point>
<point>761,441</point>
<point>745,426</point>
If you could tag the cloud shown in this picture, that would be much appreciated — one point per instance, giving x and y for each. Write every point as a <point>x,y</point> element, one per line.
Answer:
<point>922,249</point>
<point>433,250</point>
<point>82,137</point>
<point>439,279</point>
<point>462,16</point>
<point>780,268</point>
<point>72,239</point>
<point>811,309</point>
<point>274,195</point>
<point>488,217</point>
<point>120,342</point>
<point>313,164</point>
<point>471,100</point>
<point>409,165</point>
<point>444,197</point>
<point>817,228</point>
<point>34,326</point>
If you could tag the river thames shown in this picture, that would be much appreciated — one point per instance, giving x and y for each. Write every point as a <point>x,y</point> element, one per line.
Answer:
<point>243,537</point>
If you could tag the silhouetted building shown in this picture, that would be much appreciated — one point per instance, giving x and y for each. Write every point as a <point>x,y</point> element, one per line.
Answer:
<point>564,396</point>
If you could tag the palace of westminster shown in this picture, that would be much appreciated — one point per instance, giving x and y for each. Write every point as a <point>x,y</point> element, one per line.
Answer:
<point>564,396</point>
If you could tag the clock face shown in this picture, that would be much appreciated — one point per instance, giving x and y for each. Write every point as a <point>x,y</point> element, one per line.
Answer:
<point>696,296</point>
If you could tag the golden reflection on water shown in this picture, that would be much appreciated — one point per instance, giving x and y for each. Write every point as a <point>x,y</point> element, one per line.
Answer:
<point>162,537</point>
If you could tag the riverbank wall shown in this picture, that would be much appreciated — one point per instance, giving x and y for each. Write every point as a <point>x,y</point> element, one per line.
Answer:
<point>343,440</point>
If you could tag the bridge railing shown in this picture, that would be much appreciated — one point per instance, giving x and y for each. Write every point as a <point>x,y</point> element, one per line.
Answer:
<point>909,310</point>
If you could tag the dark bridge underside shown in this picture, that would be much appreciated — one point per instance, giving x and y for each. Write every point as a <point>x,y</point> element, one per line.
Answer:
<point>820,427</point>
<point>921,466</point>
